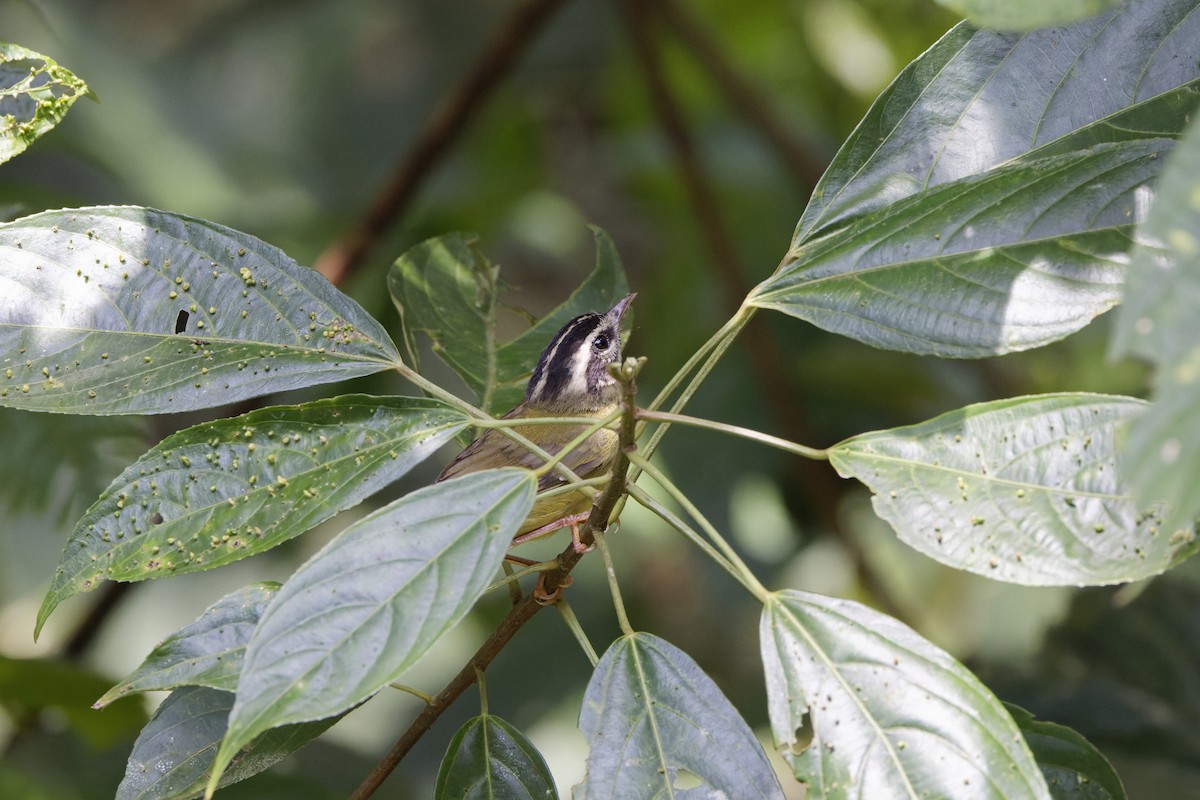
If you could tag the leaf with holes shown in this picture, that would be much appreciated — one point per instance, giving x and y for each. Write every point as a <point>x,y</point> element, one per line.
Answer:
<point>372,601</point>
<point>1026,490</point>
<point>1074,769</point>
<point>124,310</point>
<point>447,290</point>
<point>987,203</point>
<point>173,755</point>
<point>488,759</point>
<point>228,489</point>
<point>1158,322</point>
<point>863,707</point>
<point>657,726</point>
<point>208,652</point>
<point>35,94</point>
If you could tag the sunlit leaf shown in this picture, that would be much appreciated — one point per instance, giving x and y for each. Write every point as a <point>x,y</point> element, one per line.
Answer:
<point>658,727</point>
<point>1024,490</point>
<point>35,94</point>
<point>987,202</point>
<point>447,290</point>
<point>1074,769</point>
<point>124,310</point>
<point>1025,15</point>
<point>370,603</point>
<point>208,652</point>
<point>172,758</point>
<point>1159,323</point>
<point>488,759</point>
<point>863,707</point>
<point>228,489</point>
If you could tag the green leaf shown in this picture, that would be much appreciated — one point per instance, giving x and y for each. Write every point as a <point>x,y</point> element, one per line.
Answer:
<point>228,489</point>
<point>863,707</point>
<point>370,603</point>
<point>488,759</point>
<point>35,94</point>
<point>658,727</point>
<point>447,290</point>
<point>1074,769</point>
<point>29,687</point>
<point>172,758</point>
<point>208,652</point>
<point>1026,15</point>
<point>1158,322</point>
<point>124,310</point>
<point>986,202</point>
<point>1025,490</point>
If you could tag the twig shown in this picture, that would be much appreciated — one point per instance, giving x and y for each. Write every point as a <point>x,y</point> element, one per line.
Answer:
<point>523,611</point>
<point>500,54</point>
<point>815,482</point>
<point>741,93</point>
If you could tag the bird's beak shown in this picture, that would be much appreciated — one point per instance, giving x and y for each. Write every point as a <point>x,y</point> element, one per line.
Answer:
<point>622,306</point>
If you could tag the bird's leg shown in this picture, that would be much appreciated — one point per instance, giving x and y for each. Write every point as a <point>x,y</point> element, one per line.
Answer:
<point>579,546</point>
<point>571,520</point>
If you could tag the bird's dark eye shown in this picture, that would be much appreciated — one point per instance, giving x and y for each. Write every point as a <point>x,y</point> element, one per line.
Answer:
<point>600,342</point>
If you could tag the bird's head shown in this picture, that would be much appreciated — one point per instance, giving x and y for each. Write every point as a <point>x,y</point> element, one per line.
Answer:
<point>571,374</point>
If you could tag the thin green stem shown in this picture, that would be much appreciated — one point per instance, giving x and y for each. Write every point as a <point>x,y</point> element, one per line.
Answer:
<point>650,503</point>
<point>747,578</point>
<point>576,442</point>
<point>600,480</point>
<point>482,681</point>
<point>705,359</point>
<point>518,422</point>
<point>611,573</point>
<point>481,418</point>
<point>428,698</point>
<point>745,433</point>
<point>532,569</point>
<point>573,625</point>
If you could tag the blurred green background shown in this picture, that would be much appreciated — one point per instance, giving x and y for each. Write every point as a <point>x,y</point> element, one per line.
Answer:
<point>286,119</point>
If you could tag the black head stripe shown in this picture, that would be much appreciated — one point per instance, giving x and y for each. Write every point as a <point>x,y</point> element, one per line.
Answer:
<point>553,370</point>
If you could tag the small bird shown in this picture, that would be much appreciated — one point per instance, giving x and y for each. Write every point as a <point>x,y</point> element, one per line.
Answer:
<point>570,380</point>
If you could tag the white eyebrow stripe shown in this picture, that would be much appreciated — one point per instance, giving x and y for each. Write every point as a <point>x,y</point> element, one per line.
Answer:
<point>579,364</point>
<point>552,354</point>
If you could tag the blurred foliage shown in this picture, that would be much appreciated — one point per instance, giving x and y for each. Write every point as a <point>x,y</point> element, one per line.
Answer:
<point>283,119</point>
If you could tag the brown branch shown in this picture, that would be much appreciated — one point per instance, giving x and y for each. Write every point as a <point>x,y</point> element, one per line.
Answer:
<point>741,93</point>
<point>506,45</point>
<point>813,481</point>
<point>523,611</point>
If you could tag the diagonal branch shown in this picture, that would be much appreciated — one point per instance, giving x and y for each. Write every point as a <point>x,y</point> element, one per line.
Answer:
<point>508,43</point>
<point>524,610</point>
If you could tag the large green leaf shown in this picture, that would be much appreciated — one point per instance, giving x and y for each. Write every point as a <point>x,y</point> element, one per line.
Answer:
<point>208,652</point>
<point>1074,769</point>
<point>447,290</point>
<point>1025,490</point>
<point>370,603</point>
<point>986,202</point>
<point>658,727</point>
<point>1025,15</point>
<point>35,94</point>
<point>123,310</point>
<point>173,756</point>
<point>488,759</point>
<point>1159,322</point>
<point>863,707</point>
<point>228,489</point>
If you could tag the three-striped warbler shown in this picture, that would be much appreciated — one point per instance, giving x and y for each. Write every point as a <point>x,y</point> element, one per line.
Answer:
<point>571,379</point>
